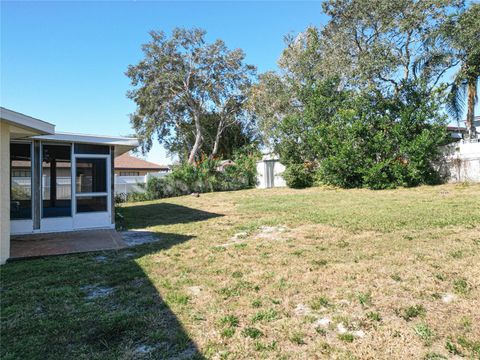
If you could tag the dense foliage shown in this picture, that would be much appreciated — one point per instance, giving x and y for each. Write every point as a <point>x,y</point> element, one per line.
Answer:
<point>359,102</point>
<point>234,137</point>
<point>186,86</point>
<point>298,176</point>
<point>363,140</point>
<point>205,175</point>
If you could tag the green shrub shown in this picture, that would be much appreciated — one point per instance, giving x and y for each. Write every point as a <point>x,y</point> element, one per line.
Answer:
<point>202,177</point>
<point>364,139</point>
<point>298,176</point>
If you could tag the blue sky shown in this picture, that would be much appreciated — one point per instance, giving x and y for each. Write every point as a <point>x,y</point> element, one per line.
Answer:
<point>64,62</point>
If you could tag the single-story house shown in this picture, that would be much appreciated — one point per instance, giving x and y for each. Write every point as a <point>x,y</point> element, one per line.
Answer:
<point>53,182</point>
<point>127,165</point>
<point>456,132</point>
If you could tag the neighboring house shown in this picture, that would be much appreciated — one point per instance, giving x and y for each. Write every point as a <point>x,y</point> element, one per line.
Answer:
<point>51,181</point>
<point>460,132</point>
<point>461,161</point>
<point>127,165</point>
<point>456,132</point>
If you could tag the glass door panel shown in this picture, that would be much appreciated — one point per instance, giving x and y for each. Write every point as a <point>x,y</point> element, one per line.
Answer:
<point>56,181</point>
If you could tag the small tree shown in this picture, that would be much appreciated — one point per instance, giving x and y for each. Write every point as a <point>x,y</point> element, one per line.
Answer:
<point>181,79</point>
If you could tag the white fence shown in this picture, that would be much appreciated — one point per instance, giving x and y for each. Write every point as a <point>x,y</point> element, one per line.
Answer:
<point>131,184</point>
<point>22,186</point>
<point>462,162</point>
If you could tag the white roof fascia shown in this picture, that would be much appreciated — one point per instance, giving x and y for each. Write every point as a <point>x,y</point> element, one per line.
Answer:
<point>90,139</point>
<point>26,122</point>
<point>121,144</point>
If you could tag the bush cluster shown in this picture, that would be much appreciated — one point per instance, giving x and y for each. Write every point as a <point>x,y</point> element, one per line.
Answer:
<point>201,177</point>
<point>298,176</point>
<point>363,140</point>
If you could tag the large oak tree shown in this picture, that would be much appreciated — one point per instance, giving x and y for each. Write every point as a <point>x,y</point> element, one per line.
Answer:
<point>180,80</point>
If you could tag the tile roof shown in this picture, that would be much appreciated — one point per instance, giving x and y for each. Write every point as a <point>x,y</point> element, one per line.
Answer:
<point>126,161</point>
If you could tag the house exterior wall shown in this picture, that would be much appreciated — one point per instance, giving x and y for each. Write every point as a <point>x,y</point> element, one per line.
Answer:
<point>4,192</point>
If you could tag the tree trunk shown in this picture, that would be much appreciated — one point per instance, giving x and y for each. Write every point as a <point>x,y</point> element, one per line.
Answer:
<point>198,139</point>
<point>216,144</point>
<point>472,93</point>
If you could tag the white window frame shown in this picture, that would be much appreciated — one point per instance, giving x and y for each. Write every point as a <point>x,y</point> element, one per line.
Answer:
<point>23,226</point>
<point>108,194</point>
<point>41,178</point>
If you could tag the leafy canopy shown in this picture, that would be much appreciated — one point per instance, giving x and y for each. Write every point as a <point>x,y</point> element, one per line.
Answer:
<point>182,79</point>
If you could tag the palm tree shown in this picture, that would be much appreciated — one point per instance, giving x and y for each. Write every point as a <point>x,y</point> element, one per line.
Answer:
<point>463,88</point>
<point>462,33</point>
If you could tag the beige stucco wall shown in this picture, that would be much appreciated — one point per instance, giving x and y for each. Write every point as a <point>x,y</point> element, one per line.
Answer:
<point>4,192</point>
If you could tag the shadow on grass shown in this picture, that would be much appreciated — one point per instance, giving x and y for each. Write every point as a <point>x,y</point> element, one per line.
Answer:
<point>100,305</point>
<point>141,216</point>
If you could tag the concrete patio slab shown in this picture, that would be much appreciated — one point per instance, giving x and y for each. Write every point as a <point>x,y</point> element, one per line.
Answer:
<point>36,245</point>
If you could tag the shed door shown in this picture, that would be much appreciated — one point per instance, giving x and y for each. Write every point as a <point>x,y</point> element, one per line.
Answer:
<point>269,174</point>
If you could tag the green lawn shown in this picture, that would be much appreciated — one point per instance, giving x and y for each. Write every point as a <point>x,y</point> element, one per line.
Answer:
<point>280,273</point>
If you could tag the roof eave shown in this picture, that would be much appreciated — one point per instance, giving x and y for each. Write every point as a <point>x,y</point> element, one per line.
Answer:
<point>26,122</point>
<point>121,144</point>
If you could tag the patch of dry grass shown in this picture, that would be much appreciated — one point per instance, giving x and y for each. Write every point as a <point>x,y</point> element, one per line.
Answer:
<point>362,252</point>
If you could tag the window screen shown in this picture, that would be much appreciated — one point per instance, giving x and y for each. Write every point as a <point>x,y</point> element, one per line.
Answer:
<point>91,175</point>
<point>91,149</point>
<point>20,181</point>
<point>56,181</point>
<point>91,203</point>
